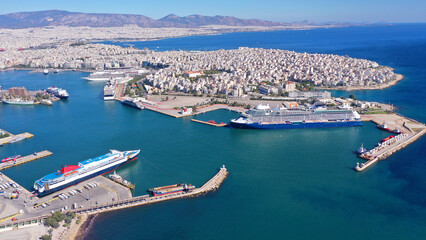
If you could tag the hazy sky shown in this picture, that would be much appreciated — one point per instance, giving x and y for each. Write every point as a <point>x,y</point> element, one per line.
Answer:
<point>275,10</point>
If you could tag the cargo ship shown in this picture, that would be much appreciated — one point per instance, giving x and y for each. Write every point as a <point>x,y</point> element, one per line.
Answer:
<point>73,174</point>
<point>264,117</point>
<point>182,187</point>
<point>58,92</point>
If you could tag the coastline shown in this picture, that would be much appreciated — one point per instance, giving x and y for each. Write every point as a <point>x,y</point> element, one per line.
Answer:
<point>222,30</point>
<point>399,77</point>
<point>79,232</point>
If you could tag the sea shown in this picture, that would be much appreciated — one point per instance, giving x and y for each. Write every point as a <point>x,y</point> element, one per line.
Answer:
<point>282,184</point>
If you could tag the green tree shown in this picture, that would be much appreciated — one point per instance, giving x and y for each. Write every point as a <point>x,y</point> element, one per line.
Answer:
<point>46,237</point>
<point>51,222</point>
<point>352,96</point>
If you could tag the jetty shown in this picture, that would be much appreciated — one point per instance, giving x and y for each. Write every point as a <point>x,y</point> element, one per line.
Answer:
<point>15,138</point>
<point>211,123</point>
<point>211,185</point>
<point>411,130</point>
<point>25,159</point>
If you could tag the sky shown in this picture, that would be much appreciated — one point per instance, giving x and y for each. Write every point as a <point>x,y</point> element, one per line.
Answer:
<point>320,11</point>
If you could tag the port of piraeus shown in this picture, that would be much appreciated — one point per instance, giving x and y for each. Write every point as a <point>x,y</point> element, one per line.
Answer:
<point>295,184</point>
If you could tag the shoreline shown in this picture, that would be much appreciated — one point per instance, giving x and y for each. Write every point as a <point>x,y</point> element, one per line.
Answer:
<point>86,223</point>
<point>399,77</point>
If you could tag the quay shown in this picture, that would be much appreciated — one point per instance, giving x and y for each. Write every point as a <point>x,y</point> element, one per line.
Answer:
<point>25,159</point>
<point>13,137</point>
<point>411,130</point>
<point>211,185</point>
<point>176,113</point>
<point>100,200</point>
<point>210,123</point>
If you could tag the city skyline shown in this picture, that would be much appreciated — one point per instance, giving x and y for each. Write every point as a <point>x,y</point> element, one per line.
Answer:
<point>272,10</point>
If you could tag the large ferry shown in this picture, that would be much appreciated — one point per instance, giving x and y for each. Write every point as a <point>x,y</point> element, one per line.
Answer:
<point>18,102</point>
<point>104,76</point>
<point>73,174</point>
<point>58,92</point>
<point>135,103</point>
<point>264,117</point>
<point>109,90</point>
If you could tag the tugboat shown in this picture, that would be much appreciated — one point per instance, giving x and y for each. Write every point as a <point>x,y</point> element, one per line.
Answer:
<point>384,126</point>
<point>46,102</point>
<point>396,131</point>
<point>361,150</point>
<point>117,178</point>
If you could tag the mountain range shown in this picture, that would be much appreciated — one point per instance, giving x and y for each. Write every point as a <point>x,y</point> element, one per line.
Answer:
<point>77,19</point>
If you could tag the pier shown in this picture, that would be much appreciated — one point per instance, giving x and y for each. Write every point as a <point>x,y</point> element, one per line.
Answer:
<point>11,138</point>
<point>211,185</point>
<point>210,123</point>
<point>25,159</point>
<point>37,213</point>
<point>411,130</point>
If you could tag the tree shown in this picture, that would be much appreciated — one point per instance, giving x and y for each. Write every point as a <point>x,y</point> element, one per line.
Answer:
<point>46,237</point>
<point>51,222</point>
<point>58,216</point>
<point>352,96</point>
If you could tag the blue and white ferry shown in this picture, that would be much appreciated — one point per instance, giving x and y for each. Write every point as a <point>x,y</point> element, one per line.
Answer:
<point>73,174</point>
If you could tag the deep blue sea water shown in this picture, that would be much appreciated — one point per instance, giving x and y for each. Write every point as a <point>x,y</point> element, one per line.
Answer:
<point>289,184</point>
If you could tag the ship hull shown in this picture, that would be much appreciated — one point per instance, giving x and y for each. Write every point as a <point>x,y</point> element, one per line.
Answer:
<point>78,180</point>
<point>25,103</point>
<point>97,79</point>
<point>295,125</point>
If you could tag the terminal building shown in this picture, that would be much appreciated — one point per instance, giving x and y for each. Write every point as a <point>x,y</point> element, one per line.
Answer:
<point>314,94</point>
<point>18,91</point>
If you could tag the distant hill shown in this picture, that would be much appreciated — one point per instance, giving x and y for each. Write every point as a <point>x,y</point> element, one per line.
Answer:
<point>199,20</point>
<point>76,19</point>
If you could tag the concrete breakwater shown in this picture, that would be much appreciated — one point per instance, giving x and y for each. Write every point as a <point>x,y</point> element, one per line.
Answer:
<point>12,138</point>
<point>21,160</point>
<point>211,185</point>
<point>411,130</point>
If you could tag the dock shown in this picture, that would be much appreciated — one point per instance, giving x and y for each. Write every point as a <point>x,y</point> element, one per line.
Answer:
<point>211,185</point>
<point>25,159</point>
<point>411,130</point>
<point>37,213</point>
<point>12,137</point>
<point>210,123</point>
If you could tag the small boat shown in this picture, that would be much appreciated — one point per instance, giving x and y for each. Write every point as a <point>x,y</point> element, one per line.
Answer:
<point>388,138</point>
<point>118,179</point>
<point>384,126</point>
<point>12,158</point>
<point>45,71</point>
<point>46,102</point>
<point>396,131</point>
<point>55,70</point>
<point>361,150</point>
